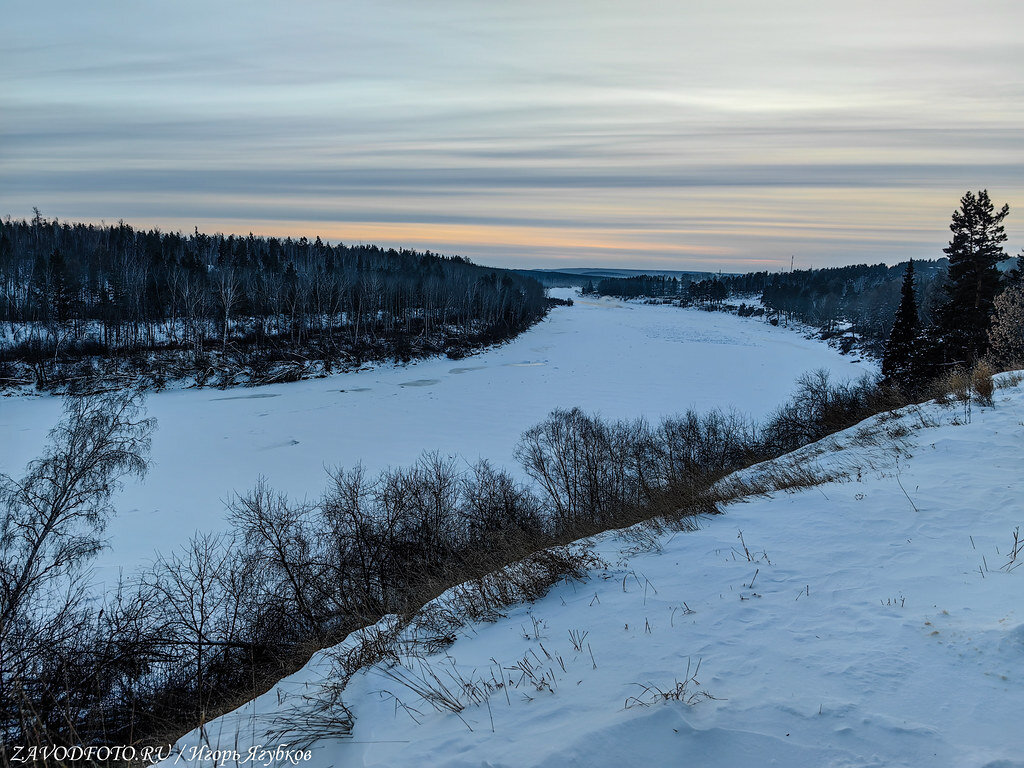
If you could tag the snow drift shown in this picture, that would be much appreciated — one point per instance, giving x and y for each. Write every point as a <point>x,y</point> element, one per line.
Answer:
<point>873,619</point>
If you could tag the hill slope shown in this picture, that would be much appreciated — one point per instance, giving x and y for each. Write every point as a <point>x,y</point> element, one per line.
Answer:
<point>875,619</point>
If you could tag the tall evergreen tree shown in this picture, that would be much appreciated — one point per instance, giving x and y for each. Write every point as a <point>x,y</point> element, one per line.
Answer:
<point>63,288</point>
<point>973,282</point>
<point>901,364</point>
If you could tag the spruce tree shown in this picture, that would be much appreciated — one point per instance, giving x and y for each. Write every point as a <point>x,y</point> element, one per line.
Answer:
<point>63,288</point>
<point>973,281</point>
<point>901,364</point>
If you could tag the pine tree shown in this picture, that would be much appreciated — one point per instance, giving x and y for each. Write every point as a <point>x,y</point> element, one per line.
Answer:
<point>63,288</point>
<point>973,281</point>
<point>901,365</point>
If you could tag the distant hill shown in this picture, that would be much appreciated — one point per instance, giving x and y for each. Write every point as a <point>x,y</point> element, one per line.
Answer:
<point>560,278</point>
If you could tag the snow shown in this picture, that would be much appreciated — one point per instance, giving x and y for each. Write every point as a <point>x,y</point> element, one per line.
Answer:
<point>876,622</point>
<point>620,359</point>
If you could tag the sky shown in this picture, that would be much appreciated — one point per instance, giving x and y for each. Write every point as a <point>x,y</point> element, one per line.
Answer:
<point>728,134</point>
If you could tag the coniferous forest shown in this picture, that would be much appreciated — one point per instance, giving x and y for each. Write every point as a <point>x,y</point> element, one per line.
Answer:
<point>860,300</point>
<point>80,302</point>
<point>945,312</point>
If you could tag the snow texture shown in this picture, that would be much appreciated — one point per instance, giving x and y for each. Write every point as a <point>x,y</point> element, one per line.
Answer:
<point>620,359</point>
<point>877,621</point>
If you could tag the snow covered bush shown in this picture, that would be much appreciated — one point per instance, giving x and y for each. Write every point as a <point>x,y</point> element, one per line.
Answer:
<point>1006,334</point>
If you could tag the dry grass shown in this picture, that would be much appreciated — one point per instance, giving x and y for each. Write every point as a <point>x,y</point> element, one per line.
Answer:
<point>953,387</point>
<point>982,384</point>
<point>687,690</point>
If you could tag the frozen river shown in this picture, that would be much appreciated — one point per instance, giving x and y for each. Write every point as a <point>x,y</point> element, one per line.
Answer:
<point>619,359</point>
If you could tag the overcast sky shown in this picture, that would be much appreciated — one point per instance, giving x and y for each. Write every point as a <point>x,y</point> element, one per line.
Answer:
<point>723,134</point>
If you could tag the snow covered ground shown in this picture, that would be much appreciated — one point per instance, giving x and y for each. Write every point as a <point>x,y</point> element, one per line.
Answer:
<point>877,621</point>
<point>620,359</point>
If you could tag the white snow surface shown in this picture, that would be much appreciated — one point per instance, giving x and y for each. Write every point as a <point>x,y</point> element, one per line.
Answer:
<point>622,360</point>
<point>876,623</point>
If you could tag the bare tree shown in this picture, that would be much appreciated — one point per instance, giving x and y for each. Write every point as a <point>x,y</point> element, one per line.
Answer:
<point>228,294</point>
<point>199,609</point>
<point>51,521</point>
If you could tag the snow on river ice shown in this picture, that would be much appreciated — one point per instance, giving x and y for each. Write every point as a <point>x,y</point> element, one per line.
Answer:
<point>871,621</point>
<point>619,359</point>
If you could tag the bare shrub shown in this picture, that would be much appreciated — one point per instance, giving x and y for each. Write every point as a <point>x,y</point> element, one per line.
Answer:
<point>1006,334</point>
<point>53,674</point>
<point>820,407</point>
<point>282,536</point>
<point>685,690</point>
<point>590,471</point>
<point>201,596</point>
<point>696,447</point>
<point>496,506</point>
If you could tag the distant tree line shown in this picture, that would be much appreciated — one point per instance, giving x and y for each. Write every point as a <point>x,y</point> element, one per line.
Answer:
<point>949,311</point>
<point>710,292</point>
<point>637,286</point>
<point>856,301</point>
<point>78,300</point>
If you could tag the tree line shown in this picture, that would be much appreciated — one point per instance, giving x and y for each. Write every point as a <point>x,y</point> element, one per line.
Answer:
<point>857,302</point>
<point>79,301</point>
<point>710,292</point>
<point>955,298</point>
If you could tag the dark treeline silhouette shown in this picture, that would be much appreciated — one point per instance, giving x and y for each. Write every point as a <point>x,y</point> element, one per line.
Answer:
<point>80,301</point>
<point>710,291</point>
<point>860,300</point>
<point>638,285</point>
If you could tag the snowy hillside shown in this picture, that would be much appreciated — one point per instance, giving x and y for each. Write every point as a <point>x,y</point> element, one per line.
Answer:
<point>622,360</point>
<point>873,620</point>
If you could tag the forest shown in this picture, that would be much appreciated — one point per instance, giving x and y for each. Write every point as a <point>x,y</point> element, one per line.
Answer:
<point>81,303</point>
<point>857,302</point>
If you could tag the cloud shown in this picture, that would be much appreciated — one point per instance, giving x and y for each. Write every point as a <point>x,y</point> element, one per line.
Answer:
<point>684,130</point>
